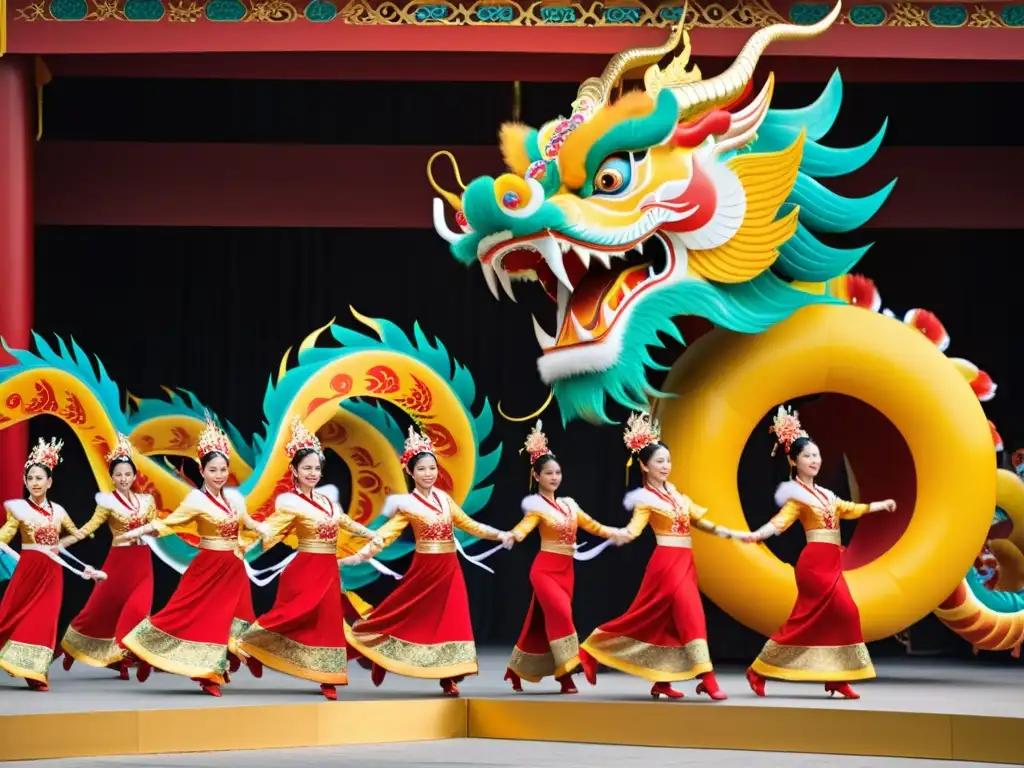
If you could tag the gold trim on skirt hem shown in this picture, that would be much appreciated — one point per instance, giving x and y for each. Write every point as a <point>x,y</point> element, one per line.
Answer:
<point>94,651</point>
<point>814,663</point>
<point>30,662</point>
<point>180,657</point>
<point>317,663</point>
<point>657,663</point>
<point>238,628</point>
<point>563,658</point>
<point>428,662</point>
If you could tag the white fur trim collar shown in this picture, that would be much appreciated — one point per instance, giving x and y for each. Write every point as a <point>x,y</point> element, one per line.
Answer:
<point>644,497</point>
<point>792,490</point>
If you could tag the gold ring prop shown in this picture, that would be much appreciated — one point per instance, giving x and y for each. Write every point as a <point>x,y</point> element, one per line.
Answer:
<point>726,383</point>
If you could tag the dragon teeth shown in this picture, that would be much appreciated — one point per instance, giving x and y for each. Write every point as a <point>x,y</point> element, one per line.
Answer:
<point>548,248</point>
<point>607,314</point>
<point>491,279</point>
<point>506,282</point>
<point>583,254</point>
<point>581,332</point>
<point>544,338</point>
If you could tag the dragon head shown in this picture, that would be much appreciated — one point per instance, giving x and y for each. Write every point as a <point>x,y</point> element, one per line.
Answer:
<point>635,210</point>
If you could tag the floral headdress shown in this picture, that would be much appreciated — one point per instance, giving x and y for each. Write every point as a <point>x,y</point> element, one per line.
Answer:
<point>212,440</point>
<point>536,444</point>
<point>787,429</point>
<point>416,444</point>
<point>45,453</point>
<point>302,438</point>
<point>641,431</point>
<point>122,451</point>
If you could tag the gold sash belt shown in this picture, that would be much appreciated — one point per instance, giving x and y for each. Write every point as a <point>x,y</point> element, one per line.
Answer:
<point>435,547</point>
<point>218,543</point>
<point>557,548</point>
<point>681,542</point>
<point>824,536</point>
<point>318,546</point>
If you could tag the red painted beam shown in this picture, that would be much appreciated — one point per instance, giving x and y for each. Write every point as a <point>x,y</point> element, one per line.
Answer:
<point>536,67</point>
<point>841,42</point>
<point>251,185</point>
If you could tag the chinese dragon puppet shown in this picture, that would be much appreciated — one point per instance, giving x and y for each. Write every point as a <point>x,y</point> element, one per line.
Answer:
<point>337,391</point>
<point>692,197</point>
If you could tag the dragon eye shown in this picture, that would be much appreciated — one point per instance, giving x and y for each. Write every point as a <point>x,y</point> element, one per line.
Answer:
<point>614,175</point>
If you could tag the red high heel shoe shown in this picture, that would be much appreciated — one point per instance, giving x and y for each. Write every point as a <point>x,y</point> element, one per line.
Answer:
<point>234,663</point>
<point>843,689</point>
<point>709,685</point>
<point>589,664</point>
<point>756,682</point>
<point>568,686</point>
<point>208,687</point>
<point>68,661</point>
<point>450,688</point>
<point>666,690</point>
<point>329,691</point>
<point>377,674</point>
<point>143,671</point>
<point>364,662</point>
<point>517,683</point>
<point>36,685</point>
<point>255,666</point>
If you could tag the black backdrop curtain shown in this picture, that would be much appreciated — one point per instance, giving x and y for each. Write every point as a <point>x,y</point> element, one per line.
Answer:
<point>213,310</point>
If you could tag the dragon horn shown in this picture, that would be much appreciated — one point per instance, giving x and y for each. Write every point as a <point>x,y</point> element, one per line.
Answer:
<point>695,97</point>
<point>597,90</point>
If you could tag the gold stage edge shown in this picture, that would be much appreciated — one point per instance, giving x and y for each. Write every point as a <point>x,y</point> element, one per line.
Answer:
<point>830,730</point>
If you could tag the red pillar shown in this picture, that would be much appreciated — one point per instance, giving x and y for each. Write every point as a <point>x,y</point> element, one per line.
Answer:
<point>17,145</point>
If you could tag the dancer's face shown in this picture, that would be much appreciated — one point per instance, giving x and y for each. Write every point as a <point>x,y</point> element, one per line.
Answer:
<point>215,473</point>
<point>550,477</point>
<point>123,477</point>
<point>308,473</point>
<point>424,474</point>
<point>37,482</point>
<point>659,467</point>
<point>808,463</point>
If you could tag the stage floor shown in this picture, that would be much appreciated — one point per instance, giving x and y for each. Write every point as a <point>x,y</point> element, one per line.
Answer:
<point>903,685</point>
<point>480,753</point>
<point>918,708</point>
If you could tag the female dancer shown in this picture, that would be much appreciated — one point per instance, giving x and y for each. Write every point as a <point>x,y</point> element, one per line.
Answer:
<point>662,637</point>
<point>422,629</point>
<point>31,605</point>
<point>303,635</point>
<point>212,606</point>
<point>125,598</point>
<point>822,640</point>
<point>548,644</point>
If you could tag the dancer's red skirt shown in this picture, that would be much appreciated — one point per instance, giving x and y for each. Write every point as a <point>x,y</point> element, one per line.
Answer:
<point>303,635</point>
<point>822,639</point>
<point>28,616</point>
<point>114,608</point>
<point>422,629</point>
<point>663,636</point>
<point>548,645</point>
<point>208,612</point>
